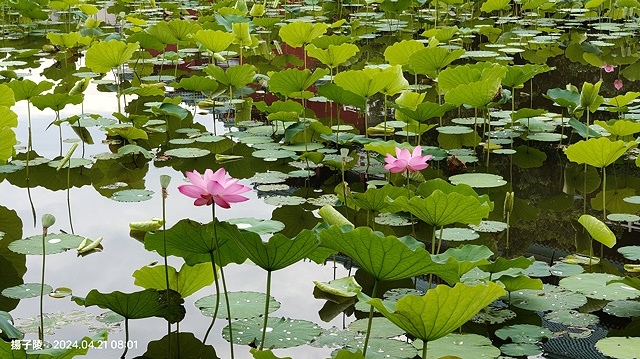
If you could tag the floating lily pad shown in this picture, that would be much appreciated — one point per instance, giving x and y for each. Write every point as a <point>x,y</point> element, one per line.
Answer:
<point>504,151</point>
<point>323,200</point>
<point>392,219</point>
<point>489,227</point>
<point>281,332</point>
<point>259,226</point>
<point>619,347</point>
<point>342,287</point>
<point>623,217</point>
<point>549,298</point>
<point>32,162</point>
<point>55,243</point>
<point>546,137</point>
<point>303,147</point>
<point>465,346</point>
<point>381,327</point>
<point>632,199</point>
<point>478,180</point>
<point>454,130</point>
<point>493,315</point>
<point>187,152</point>
<point>520,349</point>
<point>269,177</point>
<point>566,269</point>
<point>630,252</point>
<point>73,163</point>
<point>132,195</point>
<point>523,333</point>
<point>272,187</point>
<point>623,308</point>
<point>457,234</point>
<point>285,200</point>
<point>243,305</point>
<point>333,338</point>
<point>594,285</point>
<point>273,154</point>
<point>381,348</point>
<point>10,168</point>
<point>572,318</point>
<point>26,290</point>
<point>301,174</point>
<point>61,292</point>
<point>537,269</point>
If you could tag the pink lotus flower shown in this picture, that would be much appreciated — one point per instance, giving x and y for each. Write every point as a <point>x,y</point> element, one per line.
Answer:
<point>213,187</point>
<point>618,84</point>
<point>608,68</point>
<point>405,161</point>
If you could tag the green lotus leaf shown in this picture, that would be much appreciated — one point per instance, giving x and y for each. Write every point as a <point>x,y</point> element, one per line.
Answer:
<point>68,40</point>
<point>457,234</point>
<point>174,31</point>
<point>549,298</point>
<point>242,33</point>
<point>454,76</point>
<point>623,308</point>
<point>279,252</point>
<point>618,347</point>
<point>55,101</point>
<point>463,346</point>
<point>528,157</point>
<point>101,57</point>
<point>440,209</point>
<point>214,40</point>
<point>374,199</point>
<point>495,5</point>
<point>589,97</point>
<point>630,252</point>
<point>386,258</point>
<point>620,127</point>
<point>8,118</point>
<point>520,349</point>
<point>381,328</point>
<point>197,83</point>
<point>147,41</point>
<point>565,269</point>
<point>55,243</point>
<point>517,75</point>
<point>502,264</point>
<point>597,286</point>
<point>259,226</point>
<point>598,230</point>
<point>26,290</point>
<point>423,111</point>
<point>264,354</point>
<point>489,227</point>
<point>134,150</point>
<point>572,318</point>
<point>478,180</point>
<point>523,333</point>
<point>187,281</point>
<point>132,195</point>
<point>342,287</point>
<point>466,257</point>
<point>621,101</point>
<point>565,98</point>
<point>429,61</point>
<point>137,305</point>
<point>26,89</point>
<point>337,94</point>
<point>333,55</point>
<point>380,348</point>
<point>299,33</point>
<point>243,305</point>
<point>195,243</point>
<point>427,188</point>
<point>442,310</point>
<point>187,152</point>
<point>6,325</point>
<point>190,347</point>
<point>293,82</point>
<point>511,284</point>
<point>366,82</point>
<point>476,94</point>
<point>235,76</point>
<point>400,52</point>
<point>597,152</point>
<point>284,333</point>
<point>7,97</point>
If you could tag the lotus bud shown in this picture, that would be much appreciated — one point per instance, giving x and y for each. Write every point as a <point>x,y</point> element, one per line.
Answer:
<point>164,181</point>
<point>344,152</point>
<point>508,202</point>
<point>48,220</point>
<point>67,157</point>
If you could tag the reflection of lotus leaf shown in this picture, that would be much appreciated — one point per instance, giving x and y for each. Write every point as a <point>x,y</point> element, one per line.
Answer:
<point>243,305</point>
<point>281,332</point>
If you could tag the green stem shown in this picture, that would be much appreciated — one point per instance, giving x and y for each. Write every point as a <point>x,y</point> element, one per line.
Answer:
<point>69,197</point>
<point>44,256</point>
<point>266,311</point>
<point>424,350</point>
<point>215,311</point>
<point>224,283</point>
<point>126,338</point>
<point>366,338</point>
<point>440,239</point>
<point>166,265</point>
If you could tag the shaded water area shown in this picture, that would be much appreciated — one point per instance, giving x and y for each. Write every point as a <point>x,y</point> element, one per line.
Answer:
<point>501,139</point>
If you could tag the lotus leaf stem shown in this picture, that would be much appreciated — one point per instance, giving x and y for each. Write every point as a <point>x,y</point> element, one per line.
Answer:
<point>126,337</point>
<point>224,284</point>
<point>166,266</point>
<point>266,310</point>
<point>44,256</point>
<point>366,338</point>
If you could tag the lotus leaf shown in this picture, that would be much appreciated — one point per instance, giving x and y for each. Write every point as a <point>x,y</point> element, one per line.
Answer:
<point>594,285</point>
<point>26,290</point>
<point>187,281</point>
<point>264,354</point>
<point>549,298</point>
<point>489,227</point>
<point>340,95</point>
<point>615,201</point>
<point>6,325</point>
<point>520,349</point>
<point>293,82</point>
<point>493,315</point>
<point>366,82</point>
<point>374,199</point>
<point>342,287</point>
<point>620,127</point>
<point>598,152</point>
<point>279,252</point>
<point>24,90</point>
<point>589,97</point>
<point>478,180</point>
<point>523,333</point>
<point>299,33</point>
<point>137,305</point>
<point>623,308</point>
<point>55,101</point>
<point>618,347</point>
<point>546,137</point>
<point>68,40</point>
<point>383,328</point>
<point>190,347</point>
<point>213,40</point>
<point>440,209</point>
<point>197,83</point>
<point>281,332</point>
<point>235,76</point>
<point>244,305</point>
<point>132,195</point>
<point>456,306</point>
<point>598,230</point>
<point>400,52</point>
<point>517,75</point>
<point>7,97</point>
<point>101,57</point>
<point>427,188</point>
<point>429,61</point>
<point>333,55</point>
<point>423,111</point>
<point>457,234</point>
<point>572,318</point>
<point>520,282</point>
<point>56,243</point>
<point>565,269</point>
<point>386,258</point>
<point>259,226</point>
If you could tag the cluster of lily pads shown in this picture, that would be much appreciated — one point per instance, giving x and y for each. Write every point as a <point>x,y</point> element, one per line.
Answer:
<point>306,101</point>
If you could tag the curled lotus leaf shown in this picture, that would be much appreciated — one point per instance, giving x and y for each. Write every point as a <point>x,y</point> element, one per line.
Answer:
<point>597,152</point>
<point>101,57</point>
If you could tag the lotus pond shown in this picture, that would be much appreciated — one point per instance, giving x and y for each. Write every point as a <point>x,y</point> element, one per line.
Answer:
<point>315,179</point>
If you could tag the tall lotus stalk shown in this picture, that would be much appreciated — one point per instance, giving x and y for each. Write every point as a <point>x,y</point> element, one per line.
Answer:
<point>47,221</point>
<point>164,183</point>
<point>208,189</point>
<point>64,161</point>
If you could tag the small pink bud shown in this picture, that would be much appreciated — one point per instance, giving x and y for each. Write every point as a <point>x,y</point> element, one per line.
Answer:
<point>618,84</point>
